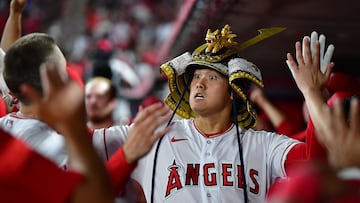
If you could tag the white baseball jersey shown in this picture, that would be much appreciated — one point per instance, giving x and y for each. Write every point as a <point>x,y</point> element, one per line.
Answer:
<point>38,135</point>
<point>194,168</point>
<point>47,142</point>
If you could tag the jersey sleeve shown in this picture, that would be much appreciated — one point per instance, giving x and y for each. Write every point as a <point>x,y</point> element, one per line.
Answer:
<point>108,143</point>
<point>26,176</point>
<point>279,147</point>
<point>108,140</point>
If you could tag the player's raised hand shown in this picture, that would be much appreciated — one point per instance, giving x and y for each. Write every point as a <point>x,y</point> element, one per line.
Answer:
<point>62,100</point>
<point>257,95</point>
<point>17,6</point>
<point>145,130</point>
<point>341,135</point>
<point>306,69</point>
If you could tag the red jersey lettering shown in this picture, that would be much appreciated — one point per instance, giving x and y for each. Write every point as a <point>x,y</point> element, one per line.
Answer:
<point>174,179</point>
<point>253,174</point>
<point>209,179</point>
<point>192,174</point>
<point>226,174</point>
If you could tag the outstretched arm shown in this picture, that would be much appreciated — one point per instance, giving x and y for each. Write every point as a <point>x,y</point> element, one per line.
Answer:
<point>306,71</point>
<point>62,108</point>
<point>258,97</point>
<point>309,78</point>
<point>143,134</point>
<point>11,33</point>
<point>12,30</point>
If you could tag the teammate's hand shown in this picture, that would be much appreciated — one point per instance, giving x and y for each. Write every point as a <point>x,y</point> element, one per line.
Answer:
<point>306,69</point>
<point>62,103</point>
<point>145,131</point>
<point>17,6</point>
<point>341,135</point>
<point>257,95</point>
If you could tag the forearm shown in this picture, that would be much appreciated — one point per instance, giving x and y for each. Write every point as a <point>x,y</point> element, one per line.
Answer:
<point>12,30</point>
<point>315,103</point>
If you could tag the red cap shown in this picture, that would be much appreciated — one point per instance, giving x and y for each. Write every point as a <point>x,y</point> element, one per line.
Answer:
<point>340,81</point>
<point>150,100</point>
<point>104,45</point>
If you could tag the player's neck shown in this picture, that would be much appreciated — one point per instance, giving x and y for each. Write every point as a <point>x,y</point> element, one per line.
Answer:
<point>26,111</point>
<point>207,126</point>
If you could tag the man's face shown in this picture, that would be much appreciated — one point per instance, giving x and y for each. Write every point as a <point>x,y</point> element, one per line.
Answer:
<point>99,105</point>
<point>209,93</point>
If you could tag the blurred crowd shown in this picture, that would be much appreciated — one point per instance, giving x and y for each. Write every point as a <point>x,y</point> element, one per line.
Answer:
<point>107,74</point>
<point>115,39</point>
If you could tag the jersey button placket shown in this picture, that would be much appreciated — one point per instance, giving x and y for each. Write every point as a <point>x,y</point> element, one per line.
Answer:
<point>208,149</point>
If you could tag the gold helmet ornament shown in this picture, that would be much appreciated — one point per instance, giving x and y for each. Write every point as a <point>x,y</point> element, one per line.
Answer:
<point>220,52</point>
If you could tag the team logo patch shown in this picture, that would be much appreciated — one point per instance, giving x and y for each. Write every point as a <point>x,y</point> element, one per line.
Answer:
<point>9,123</point>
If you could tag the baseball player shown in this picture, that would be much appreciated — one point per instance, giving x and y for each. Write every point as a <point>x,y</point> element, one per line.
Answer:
<point>43,138</point>
<point>25,123</point>
<point>26,176</point>
<point>213,154</point>
<point>100,102</point>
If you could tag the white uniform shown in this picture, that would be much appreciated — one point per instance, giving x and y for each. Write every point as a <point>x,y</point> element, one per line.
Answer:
<point>47,142</point>
<point>194,168</point>
<point>39,136</point>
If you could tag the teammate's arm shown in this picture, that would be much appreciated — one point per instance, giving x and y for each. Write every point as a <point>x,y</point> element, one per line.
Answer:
<point>12,29</point>
<point>12,32</point>
<point>143,133</point>
<point>309,78</point>
<point>258,97</point>
<point>311,81</point>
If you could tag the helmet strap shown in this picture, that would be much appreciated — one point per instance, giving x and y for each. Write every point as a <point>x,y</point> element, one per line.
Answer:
<point>243,176</point>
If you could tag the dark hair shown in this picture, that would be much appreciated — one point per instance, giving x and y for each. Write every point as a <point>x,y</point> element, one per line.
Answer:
<point>101,68</point>
<point>23,59</point>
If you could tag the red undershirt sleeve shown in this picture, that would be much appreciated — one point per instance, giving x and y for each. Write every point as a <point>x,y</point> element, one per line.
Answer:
<point>119,170</point>
<point>310,150</point>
